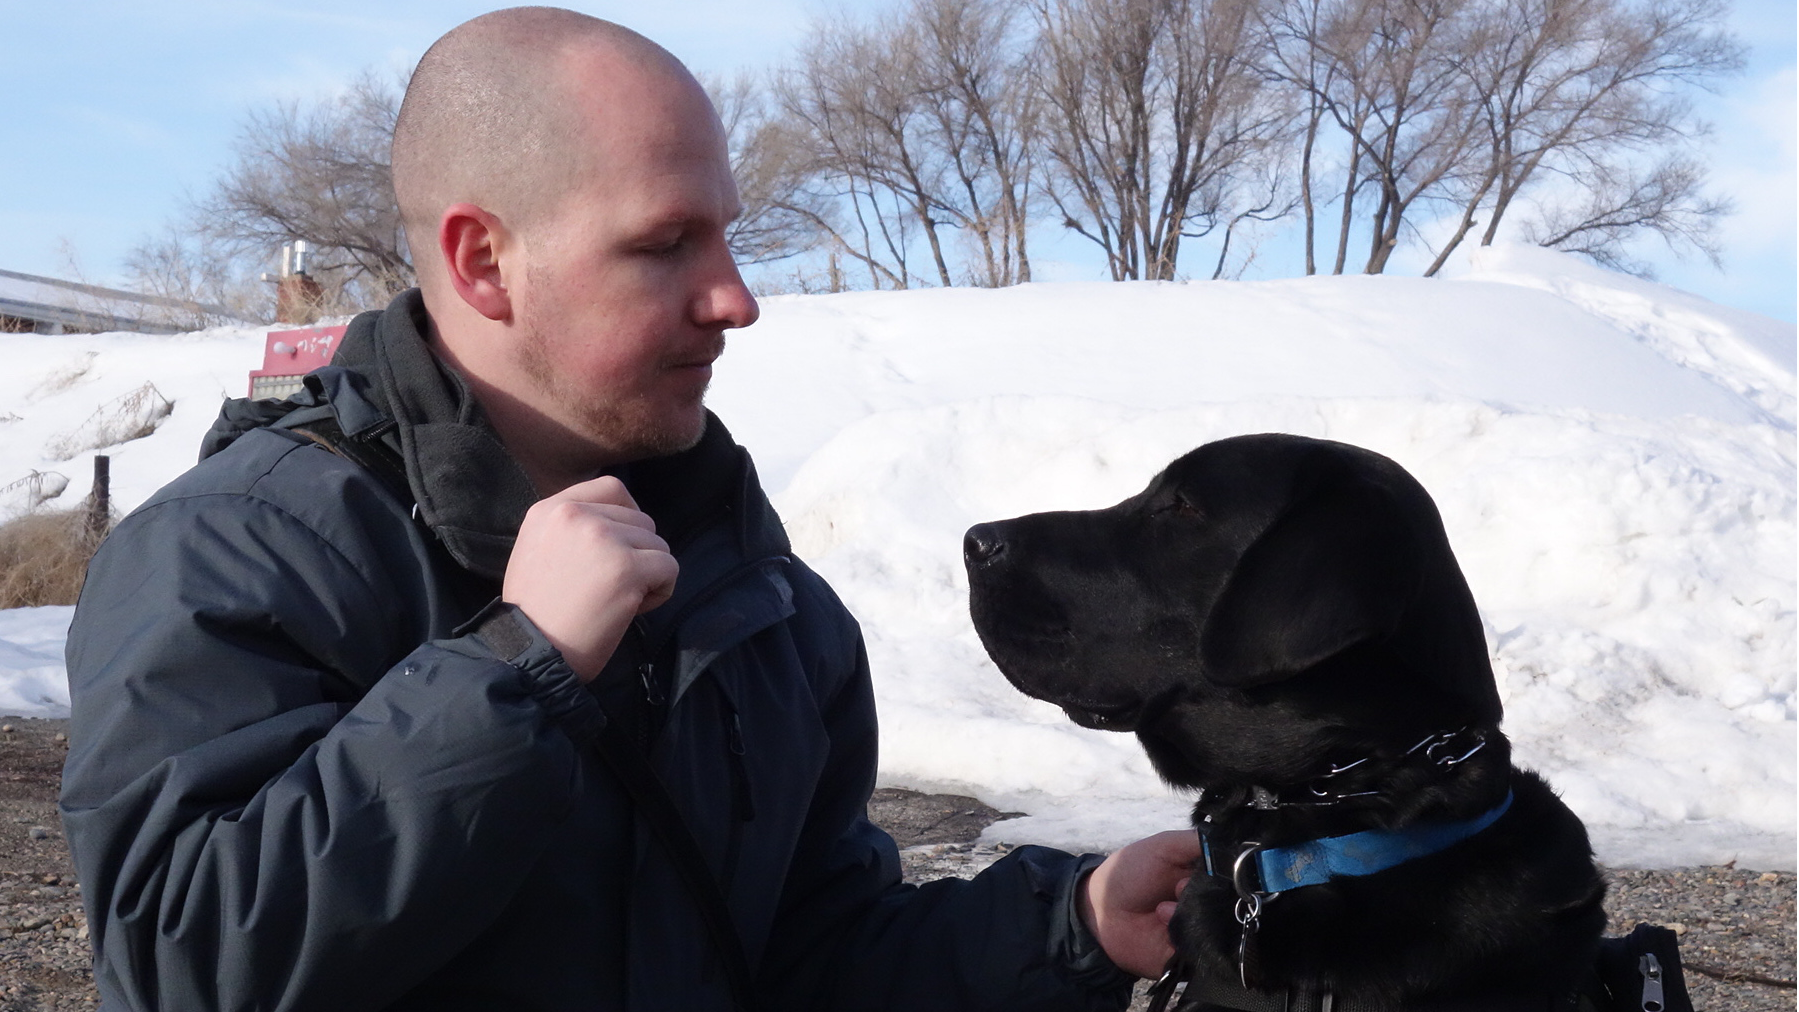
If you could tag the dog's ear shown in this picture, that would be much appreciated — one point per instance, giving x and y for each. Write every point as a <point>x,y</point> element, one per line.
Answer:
<point>1337,569</point>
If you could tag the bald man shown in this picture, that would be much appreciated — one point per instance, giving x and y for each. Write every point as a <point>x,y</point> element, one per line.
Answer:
<point>341,691</point>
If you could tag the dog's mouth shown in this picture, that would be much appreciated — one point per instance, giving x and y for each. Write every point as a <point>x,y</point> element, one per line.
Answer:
<point>1132,716</point>
<point>1103,716</point>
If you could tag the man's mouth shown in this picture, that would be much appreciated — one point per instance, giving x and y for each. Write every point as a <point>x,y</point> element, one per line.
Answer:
<point>701,358</point>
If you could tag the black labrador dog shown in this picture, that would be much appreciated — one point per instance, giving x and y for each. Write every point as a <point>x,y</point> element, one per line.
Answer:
<point>1282,623</point>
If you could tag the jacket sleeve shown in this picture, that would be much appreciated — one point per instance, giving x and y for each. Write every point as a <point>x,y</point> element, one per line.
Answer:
<point>851,936</point>
<point>248,835</point>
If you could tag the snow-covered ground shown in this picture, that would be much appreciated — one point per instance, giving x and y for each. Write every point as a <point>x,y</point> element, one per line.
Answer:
<point>1614,461</point>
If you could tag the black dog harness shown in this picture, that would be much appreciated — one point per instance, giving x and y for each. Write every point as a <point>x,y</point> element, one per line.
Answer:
<point>1192,994</point>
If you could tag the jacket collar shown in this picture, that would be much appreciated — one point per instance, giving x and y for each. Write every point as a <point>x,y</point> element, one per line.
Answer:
<point>469,490</point>
<point>688,491</point>
<point>385,383</point>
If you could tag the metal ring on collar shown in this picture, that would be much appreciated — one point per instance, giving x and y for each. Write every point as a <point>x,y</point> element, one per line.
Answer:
<point>1243,861</point>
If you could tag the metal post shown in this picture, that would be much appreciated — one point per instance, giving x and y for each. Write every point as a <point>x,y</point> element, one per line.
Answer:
<point>99,504</point>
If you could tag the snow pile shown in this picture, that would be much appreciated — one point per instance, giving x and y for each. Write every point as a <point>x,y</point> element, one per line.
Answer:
<point>144,401</point>
<point>33,680</point>
<point>1614,461</point>
<point>1636,578</point>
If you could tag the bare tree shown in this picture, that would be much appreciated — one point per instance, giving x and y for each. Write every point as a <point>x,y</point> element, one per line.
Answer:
<point>1151,110</point>
<point>981,109</point>
<point>1292,30</point>
<point>1665,200</point>
<point>1581,90</point>
<point>319,173</point>
<point>1395,89</point>
<point>190,268</point>
<point>923,147</point>
<point>780,215</point>
<point>918,127</point>
<point>1277,201</point>
<point>850,101</point>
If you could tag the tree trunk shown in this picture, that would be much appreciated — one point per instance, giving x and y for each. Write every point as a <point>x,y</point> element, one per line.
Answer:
<point>1467,223</point>
<point>1461,232</point>
<point>1305,193</point>
<point>1349,192</point>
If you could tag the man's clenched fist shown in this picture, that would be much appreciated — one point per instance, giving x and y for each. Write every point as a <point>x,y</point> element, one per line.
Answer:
<point>586,562</point>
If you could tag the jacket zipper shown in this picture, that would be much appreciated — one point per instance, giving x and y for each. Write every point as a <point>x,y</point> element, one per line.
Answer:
<point>743,805</point>
<point>654,692</point>
<point>655,695</point>
<point>743,802</point>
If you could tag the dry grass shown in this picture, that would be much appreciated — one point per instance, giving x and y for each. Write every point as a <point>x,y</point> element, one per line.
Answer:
<point>131,416</point>
<point>43,557</point>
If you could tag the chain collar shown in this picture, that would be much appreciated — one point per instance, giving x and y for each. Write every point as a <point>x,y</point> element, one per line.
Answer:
<point>1445,750</point>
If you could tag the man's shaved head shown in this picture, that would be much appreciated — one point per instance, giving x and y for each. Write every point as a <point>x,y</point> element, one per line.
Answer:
<point>493,117</point>
<point>567,189</point>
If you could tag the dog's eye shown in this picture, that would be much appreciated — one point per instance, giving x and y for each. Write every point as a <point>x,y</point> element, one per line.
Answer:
<point>1179,506</point>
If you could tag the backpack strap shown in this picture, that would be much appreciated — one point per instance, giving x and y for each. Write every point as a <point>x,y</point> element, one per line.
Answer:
<point>612,742</point>
<point>372,455</point>
<point>658,809</point>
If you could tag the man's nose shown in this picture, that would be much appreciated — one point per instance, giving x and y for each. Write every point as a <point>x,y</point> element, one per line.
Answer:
<point>727,301</point>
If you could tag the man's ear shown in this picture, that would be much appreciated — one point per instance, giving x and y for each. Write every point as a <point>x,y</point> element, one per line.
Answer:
<point>471,241</point>
<point>1335,570</point>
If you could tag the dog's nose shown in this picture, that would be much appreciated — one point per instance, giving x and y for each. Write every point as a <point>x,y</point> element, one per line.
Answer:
<point>982,544</point>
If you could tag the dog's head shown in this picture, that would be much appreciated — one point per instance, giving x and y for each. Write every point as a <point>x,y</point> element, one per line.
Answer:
<point>1266,600</point>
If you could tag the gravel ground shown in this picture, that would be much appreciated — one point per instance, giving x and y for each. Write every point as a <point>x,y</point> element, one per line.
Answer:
<point>1735,926</point>
<point>43,933</point>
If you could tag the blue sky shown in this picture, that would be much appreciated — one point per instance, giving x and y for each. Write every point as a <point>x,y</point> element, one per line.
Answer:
<point>116,111</point>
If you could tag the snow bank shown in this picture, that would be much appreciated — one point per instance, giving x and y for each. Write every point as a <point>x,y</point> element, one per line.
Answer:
<point>1614,461</point>
<point>65,397</point>
<point>1635,577</point>
<point>33,681</point>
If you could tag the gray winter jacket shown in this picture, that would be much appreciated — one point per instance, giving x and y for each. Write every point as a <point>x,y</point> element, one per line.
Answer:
<point>303,775</point>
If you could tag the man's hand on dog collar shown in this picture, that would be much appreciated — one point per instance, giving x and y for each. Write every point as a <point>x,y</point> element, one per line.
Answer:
<point>1128,900</point>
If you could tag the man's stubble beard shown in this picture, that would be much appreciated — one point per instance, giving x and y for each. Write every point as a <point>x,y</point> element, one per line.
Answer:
<point>620,429</point>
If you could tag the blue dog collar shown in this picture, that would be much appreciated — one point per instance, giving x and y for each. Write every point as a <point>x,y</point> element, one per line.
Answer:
<point>1317,861</point>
